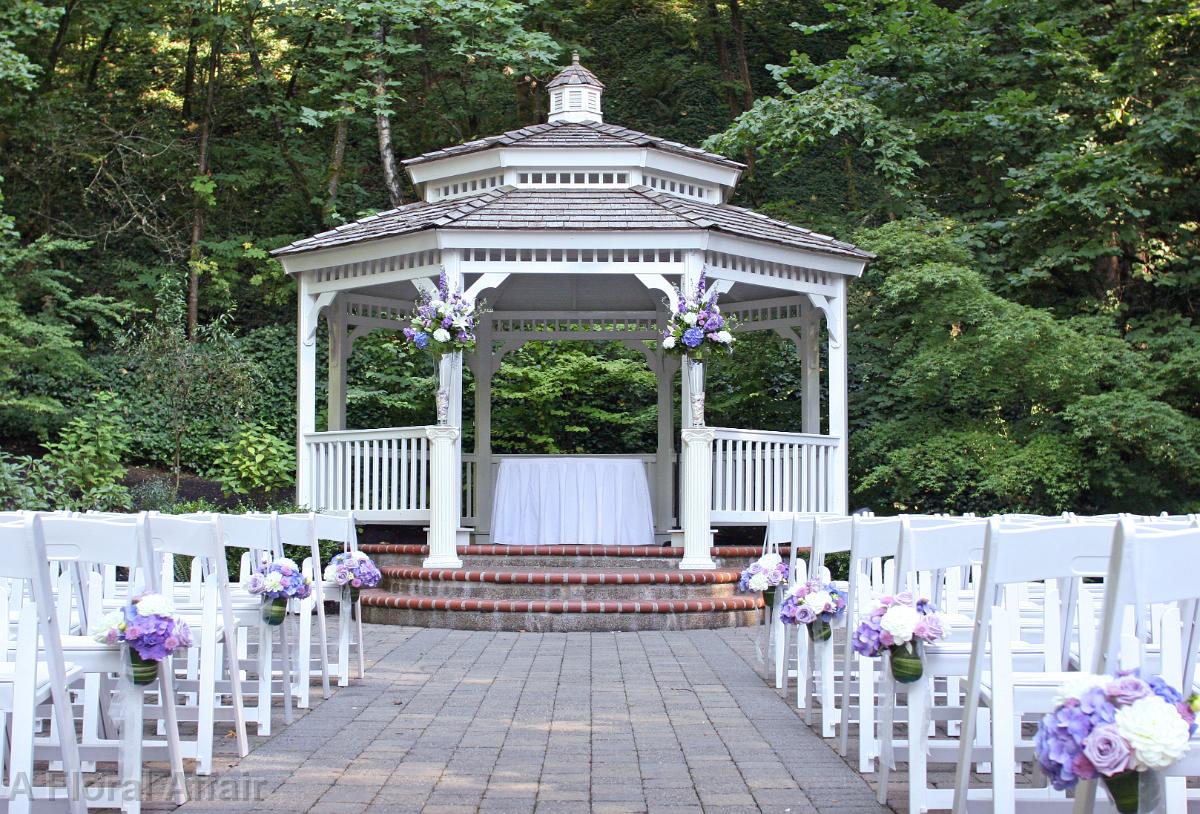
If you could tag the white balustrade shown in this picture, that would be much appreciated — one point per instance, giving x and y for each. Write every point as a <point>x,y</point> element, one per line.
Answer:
<point>755,472</point>
<point>377,474</point>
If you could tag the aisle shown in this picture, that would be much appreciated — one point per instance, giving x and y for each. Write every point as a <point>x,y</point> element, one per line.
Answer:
<point>458,721</point>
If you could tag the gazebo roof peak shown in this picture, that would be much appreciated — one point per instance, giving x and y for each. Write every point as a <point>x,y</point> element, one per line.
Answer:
<point>575,94</point>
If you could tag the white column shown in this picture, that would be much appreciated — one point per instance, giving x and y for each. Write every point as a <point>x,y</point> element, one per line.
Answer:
<point>339,353</point>
<point>664,467</point>
<point>454,278</point>
<point>483,368</point>
<point>443,522</point>
<point>306,387</point>
<point>810,361</point>
<point>838,395</point>
<point>696,499</point>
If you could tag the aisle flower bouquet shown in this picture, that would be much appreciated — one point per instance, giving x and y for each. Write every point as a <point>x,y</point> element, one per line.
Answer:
<point>816,605</point>
<point>443,320</point>
<point>276,582</point>
<point>900,624</point>
<point>763,576</point>
<point>696,325</point>
<point>151,630</point>
<point>352,570</point>
<point>1114,728</point>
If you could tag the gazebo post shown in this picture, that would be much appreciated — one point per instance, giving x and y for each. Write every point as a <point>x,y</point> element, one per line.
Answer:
<point>838,417</point>
<point>306,387</point>
<point>809,346</point>
<point>445,468</point>
<point>483,368</point>
<point>696,449</point>
<point>339,353</point>
<point>664,469</point>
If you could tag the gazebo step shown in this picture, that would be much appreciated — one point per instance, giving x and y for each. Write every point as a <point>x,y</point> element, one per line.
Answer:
<point>491,557</point>
<point>542,615</point>
<point>561,584</point>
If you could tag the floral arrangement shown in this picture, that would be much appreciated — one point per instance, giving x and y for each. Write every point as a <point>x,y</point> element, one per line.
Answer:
<point>149,626</point>
<point>352,570</point>
<point>815,604</point>
<point>277,581</point>
<point>764,575</point>
<point>443,320</point>
<point>1113,728</point>
<point>696,324</point>
<point>899,624</point>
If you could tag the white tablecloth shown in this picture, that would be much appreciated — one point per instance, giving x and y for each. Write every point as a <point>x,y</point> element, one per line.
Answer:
<point>586,501</point>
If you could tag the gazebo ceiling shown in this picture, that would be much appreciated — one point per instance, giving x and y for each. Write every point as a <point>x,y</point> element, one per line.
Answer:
<point>633,209</point>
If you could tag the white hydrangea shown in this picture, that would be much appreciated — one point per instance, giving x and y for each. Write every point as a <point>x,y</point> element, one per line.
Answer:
<point>289,563</point>
<point>689,318</point>
<point>110,621</point>
<point>273,582</point>
<point>154,604</point>
<point>441,335</point>
<point>724,337</point>
<point>770,560</point>
<point>668,343</point>
<point>438,303</point>
<point>900,621</point>
<point>1156,731</point>
<point>358,555</point>
<point>1076,684</point>
<point>758,582</point>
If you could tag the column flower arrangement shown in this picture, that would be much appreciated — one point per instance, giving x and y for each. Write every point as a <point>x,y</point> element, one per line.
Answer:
<point>352,571</point>
<point>814,604</point>
<point>696,325</point>
<point>276,582</point>
<point>151,631</point>
<point>443,321</point>
<point>900,624</point>
<point>1115,728</point>
<point>763,576</point>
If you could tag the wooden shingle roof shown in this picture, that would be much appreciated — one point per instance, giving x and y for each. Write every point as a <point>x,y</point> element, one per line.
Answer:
<point>637,208</point>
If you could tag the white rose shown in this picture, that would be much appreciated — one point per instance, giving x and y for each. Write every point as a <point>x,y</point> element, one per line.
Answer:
<point>819,600</point>
<point>724,337</point>
<point>1155,730</point>
<point>358,555</point>
<point>758,582</point>
<point>668,343</point>
<point>330,573</point>
<point>689,318</point>
<point>152,604</point>
<point>110,622</point>
<point>441,335</point>
<point>273,582</point>
<point>900,620</point>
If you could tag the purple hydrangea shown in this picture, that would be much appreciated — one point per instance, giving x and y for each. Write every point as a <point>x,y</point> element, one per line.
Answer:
<point>353,569</point>
<point>692,337</point>
<point>1057,745</point>
<point>279,579</point>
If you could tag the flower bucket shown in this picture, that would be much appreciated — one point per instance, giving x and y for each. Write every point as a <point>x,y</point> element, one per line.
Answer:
<point>1132,792</point>
<point>274,610</point>
<point>819,631</point>
<point>769,596</point>
<point>695,374</point>
<point>906,662</point>
<point>353,594</point>
<point>142,671</point>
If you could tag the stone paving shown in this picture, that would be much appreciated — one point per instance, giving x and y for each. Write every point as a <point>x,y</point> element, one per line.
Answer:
<point>463,721</point>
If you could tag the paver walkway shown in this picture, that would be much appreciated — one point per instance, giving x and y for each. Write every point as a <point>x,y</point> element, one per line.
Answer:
<point>458,721</point>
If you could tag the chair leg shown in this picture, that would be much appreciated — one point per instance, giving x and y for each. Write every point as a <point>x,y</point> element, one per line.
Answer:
<point>868,744</point>
<point>266,669</point>
<point>887,711</point>
<point>918,764</point>
<point>304,653</point>
<point>830,715</point>
<point>130,760</point>
<point>166,678</point>
<point>362,659</point>
<point>344,622</point>
<point>323,632</point>
<point>287,684</point>
<point>206,699</point>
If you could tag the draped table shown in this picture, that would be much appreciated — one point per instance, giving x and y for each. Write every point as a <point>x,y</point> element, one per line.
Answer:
<point>563,500</point>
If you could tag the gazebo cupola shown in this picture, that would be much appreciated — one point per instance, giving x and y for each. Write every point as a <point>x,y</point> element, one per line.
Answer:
<point>573,229</point>
<point>575,95</point>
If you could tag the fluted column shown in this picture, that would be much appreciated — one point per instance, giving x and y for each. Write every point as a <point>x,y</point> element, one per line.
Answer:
<point>444,484</point>
<point>696,509</point>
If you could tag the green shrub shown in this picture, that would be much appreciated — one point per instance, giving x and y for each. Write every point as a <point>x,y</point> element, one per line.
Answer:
<point>255,462</point>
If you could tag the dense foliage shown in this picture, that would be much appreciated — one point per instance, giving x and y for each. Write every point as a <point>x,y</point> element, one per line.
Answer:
<point>1026,171</point>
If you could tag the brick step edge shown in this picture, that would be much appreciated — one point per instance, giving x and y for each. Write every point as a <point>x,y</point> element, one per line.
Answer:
<point>561,576</point>
<point>568,550</point>
<point>382,599</point>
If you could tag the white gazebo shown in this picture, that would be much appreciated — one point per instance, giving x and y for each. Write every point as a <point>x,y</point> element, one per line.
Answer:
<point>574,229</point>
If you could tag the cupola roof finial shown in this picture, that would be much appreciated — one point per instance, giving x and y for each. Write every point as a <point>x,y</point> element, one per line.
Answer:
<point>575,94</point>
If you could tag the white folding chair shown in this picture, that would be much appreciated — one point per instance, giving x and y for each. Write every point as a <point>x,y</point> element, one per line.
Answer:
<point>34,677</point>
<point>831,535</point>
<point>340,528</point>
<point>300,531</point>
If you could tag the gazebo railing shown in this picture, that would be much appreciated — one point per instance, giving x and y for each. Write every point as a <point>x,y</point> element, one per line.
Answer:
<point>377,474</point>
<point>755,473</point>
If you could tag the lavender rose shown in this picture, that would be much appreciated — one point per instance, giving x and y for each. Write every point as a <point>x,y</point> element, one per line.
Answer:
<point>805,614</point>
<point>1126,689</point>
<point>1108,751</point>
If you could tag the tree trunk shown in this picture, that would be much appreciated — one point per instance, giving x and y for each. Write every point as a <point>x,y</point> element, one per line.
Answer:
<point>56,47</point>
<point>102,46</point>
<point>189,68</point>
<point>199,202</point>
<point>739,43</point>
<point>336,162</point>
<point>383,124</point>
<point>715,25</point>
